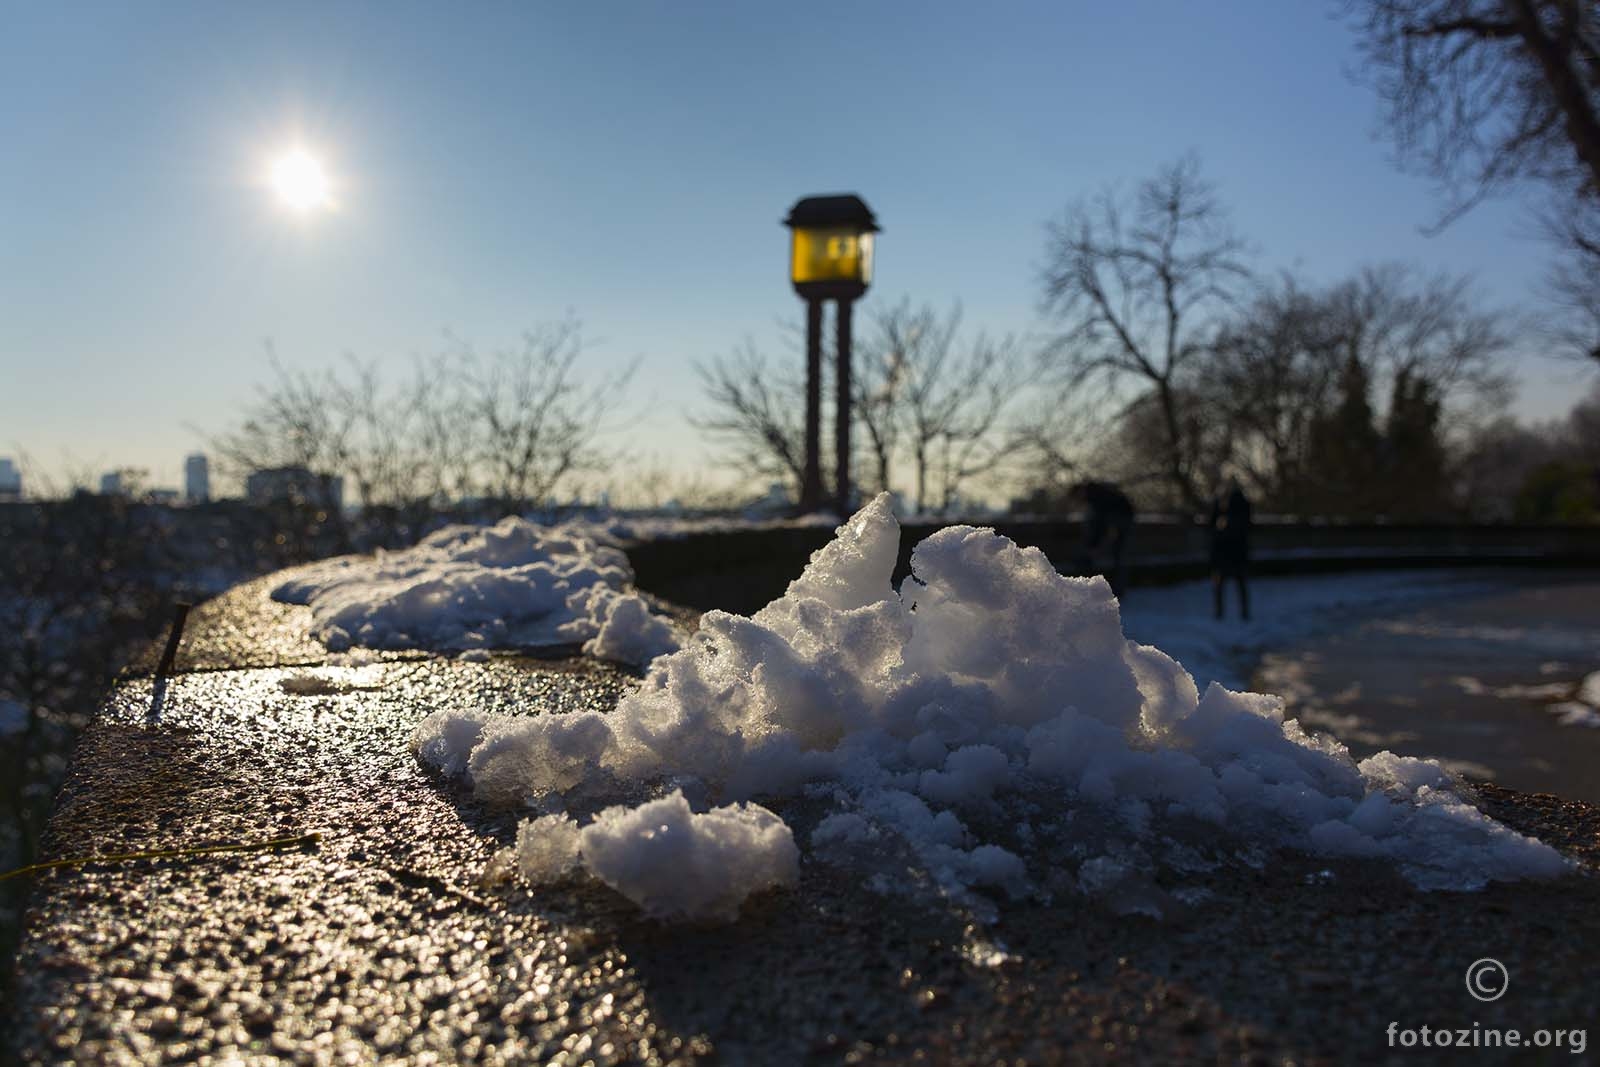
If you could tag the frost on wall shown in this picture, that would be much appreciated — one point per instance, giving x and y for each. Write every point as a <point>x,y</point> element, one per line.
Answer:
<point>466,588</point>
<point>989,692</point>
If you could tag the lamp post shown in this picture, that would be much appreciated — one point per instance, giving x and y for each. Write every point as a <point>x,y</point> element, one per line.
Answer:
<point>830,258</point>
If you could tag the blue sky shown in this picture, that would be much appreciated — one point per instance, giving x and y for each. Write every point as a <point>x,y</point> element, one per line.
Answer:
<point>501,164</point>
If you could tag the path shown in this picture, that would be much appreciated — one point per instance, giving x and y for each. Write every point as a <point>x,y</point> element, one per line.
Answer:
<point>1477,681</point>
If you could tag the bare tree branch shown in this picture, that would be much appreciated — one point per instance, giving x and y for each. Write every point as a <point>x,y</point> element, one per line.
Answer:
<point>757,413</point>
<point>1138,304</point>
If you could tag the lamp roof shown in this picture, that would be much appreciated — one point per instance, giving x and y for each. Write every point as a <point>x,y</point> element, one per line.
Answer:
<point>839,209</point>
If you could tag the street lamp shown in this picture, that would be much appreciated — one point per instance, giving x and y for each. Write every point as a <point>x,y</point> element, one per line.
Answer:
<point>830,258</point>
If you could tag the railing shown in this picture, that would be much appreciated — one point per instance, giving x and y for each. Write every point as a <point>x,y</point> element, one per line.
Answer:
<point>743,570</point>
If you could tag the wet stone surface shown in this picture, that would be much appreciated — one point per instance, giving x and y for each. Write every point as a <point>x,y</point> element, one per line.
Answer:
<point>247,628</point>
<point>1476,682</point>
<point>378,940</point>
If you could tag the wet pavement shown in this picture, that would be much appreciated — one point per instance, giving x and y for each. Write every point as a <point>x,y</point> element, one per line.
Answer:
<point>361,931</point>
<point>1485,682</point>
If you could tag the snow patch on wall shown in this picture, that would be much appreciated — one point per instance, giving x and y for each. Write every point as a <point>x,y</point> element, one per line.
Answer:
<point>672,862</point>
<point>515,584</point>
<point>923,722</point>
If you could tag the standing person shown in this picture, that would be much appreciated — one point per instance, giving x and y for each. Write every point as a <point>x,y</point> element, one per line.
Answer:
<point>1107,524</point>
<point>1230,546</point>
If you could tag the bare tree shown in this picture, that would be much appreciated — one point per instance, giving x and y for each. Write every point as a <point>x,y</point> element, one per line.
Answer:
<point>1573,280</point>
<point>1285,371</point>
<point>1483,95</point>
<point>1398,319</point>
<point>295,422</point>
<point>880,381</point>
<point>508,428</point>
<point>443,434</point>
<point>941,401</point>
<point>536,421</point>
<point>923,396</point>
<point>1271,376</point>
<point>1057,438</point>
<point>378,456</point>
<point>756,412</point>
<point>1139,289</point>
<point>1493,464</point>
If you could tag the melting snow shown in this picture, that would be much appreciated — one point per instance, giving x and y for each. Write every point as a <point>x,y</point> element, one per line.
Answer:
<point>964,728</point>
<point>464,588</point>
<point>1583,709</point>
<point>1589,691</point>
<point>670,861</point>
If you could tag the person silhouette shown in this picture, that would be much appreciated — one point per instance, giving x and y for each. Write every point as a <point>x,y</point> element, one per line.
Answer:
<point>1107,523</point>
<point>1230,546</point>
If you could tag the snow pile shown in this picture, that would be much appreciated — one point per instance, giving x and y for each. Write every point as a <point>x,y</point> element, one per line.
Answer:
<point>969,725</point>
<point>670,861</point>
<point>464,588</point>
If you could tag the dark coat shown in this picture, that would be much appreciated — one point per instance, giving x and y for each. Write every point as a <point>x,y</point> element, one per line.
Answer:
<point>1105,501</point>
<point>1230,532</point>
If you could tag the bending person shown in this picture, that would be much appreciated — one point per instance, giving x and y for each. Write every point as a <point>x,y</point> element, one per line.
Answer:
<point>1106,526</point>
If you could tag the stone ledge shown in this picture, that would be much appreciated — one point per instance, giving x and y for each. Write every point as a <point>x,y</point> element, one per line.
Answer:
<point>378,941</point>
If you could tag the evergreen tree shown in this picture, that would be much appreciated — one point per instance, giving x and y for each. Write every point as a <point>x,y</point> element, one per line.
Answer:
<point>1413,473</point>
<point>1344,449</point>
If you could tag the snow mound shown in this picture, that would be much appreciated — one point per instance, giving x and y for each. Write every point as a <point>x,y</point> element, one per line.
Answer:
<point>463,588</point>
<point>972,723</point>
<point>670,861</point>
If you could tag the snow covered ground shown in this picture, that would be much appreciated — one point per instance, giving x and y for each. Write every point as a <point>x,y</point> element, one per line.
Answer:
<point>1584,708</point>
<point>1581,709</point>
<point>986,732</point>
<point>1284,611</point>
<point>467,589</point>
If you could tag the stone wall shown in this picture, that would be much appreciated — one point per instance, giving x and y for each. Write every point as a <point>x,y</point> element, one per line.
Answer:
<point>743,570</point>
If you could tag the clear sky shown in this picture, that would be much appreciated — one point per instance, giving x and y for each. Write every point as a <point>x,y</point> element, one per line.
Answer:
<point>497,165</point>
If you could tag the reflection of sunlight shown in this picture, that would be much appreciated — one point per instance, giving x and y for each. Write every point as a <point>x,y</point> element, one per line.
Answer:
<point>300,182</point>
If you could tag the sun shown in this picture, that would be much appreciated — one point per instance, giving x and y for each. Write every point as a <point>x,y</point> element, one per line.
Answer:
<point>300,182</point>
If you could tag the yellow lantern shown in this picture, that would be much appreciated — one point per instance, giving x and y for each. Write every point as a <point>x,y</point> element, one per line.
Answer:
<point>830,258</point>
<point>830,252</point>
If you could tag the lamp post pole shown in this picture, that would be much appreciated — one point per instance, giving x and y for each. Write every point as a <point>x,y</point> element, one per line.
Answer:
<point>811,483</point>
<point>830,258</point>
<point>841,426</point>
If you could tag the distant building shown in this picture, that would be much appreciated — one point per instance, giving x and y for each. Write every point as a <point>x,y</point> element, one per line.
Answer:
<point>10,481</point>
<point>294,485</point>
<point>196,479</point>
<point>111,483</point>
<point>776,501</point>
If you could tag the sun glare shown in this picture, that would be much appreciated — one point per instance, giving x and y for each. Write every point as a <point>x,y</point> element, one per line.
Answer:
<point>300,182</point>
